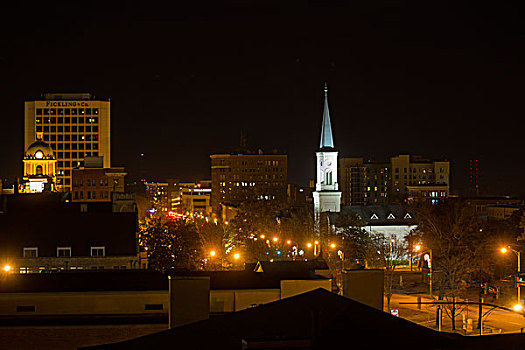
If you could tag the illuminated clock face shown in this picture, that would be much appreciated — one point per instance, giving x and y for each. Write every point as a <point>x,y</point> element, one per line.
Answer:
<point>39,155</point>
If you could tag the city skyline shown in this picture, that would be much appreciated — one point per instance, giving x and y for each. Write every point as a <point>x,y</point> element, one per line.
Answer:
<point>193,78</point>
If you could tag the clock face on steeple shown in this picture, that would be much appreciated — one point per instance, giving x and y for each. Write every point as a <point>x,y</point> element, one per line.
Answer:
<point>39,155</point>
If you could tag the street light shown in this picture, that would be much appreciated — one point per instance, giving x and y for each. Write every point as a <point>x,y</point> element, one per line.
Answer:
<point>212,253</point>
<point>7,268</point>
<point>504,250</point>
<point>236,256</point>
<point>430,262</point>
<point>275,239</point>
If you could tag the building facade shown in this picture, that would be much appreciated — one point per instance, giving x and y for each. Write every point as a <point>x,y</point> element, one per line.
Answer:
<point>238,178</point>
<point>75,126</point>
<point>94,183</point>
<point>405,178</point>
<point>327,197</point>
<point>62,235</point>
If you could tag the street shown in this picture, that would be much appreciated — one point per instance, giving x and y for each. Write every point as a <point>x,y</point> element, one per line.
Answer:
<point>495,321</point>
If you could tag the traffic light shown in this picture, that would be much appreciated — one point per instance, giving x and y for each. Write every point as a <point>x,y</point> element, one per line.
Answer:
<point>483,286</point>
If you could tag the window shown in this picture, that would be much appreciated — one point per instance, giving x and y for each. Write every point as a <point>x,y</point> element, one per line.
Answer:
<point>25,308</point>
<point>63,252</point>
<point>98,251</point>
<point>30,252</point>
<point>153,307</point>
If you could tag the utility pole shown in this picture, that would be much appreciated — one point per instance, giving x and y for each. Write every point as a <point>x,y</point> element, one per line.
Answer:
<point>480,316</point>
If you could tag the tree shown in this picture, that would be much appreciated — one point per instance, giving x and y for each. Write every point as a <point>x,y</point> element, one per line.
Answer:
<point>174,244</point>
<point>459,242</point>
<point>253,221</point>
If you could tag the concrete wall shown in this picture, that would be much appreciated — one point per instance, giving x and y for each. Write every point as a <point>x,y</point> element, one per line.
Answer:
<point>364,286</point>
<point>78,303</point>
<point>236,300</point>
<point>289,288</point>
<point>189,299</point>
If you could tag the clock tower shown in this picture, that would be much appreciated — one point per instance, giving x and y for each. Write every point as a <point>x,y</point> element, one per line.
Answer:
<point>327,197</point>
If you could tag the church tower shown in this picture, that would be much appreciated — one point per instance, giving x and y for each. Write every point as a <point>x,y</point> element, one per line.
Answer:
<point>327,197</point>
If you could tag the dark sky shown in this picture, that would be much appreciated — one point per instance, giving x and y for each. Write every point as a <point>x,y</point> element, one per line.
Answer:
<point>439,79</point>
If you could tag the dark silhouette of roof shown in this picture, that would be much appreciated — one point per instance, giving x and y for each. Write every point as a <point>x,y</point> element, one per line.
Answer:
<point>85,281</point>
<point>321,319</point>
<point>249,279</point>
<point>49,220</point>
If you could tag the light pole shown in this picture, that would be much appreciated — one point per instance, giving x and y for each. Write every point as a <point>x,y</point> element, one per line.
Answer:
<point>504,250</point>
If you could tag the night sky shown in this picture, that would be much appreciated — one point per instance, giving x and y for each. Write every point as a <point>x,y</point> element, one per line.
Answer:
<point>439,79</point>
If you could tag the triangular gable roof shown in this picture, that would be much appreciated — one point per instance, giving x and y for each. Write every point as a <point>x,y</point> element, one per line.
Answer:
<point>339,320</point>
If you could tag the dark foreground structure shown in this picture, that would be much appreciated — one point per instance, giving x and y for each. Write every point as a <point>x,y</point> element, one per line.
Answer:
<point>313,320</point>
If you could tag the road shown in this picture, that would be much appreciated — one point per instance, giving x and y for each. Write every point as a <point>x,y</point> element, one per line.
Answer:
<point>495,321</point>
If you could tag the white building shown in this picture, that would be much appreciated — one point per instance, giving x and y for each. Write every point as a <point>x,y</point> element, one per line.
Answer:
<point>327,197</point>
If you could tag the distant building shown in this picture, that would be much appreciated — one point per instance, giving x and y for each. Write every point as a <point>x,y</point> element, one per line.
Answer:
<point>238,178</point>
<point>179,198</point>
<point>94,183</point>
<point>404,178</point>
<point>47,232</point>
<point>474,176</point>
<point>299,196</point>
<point>481,204</point>
<point>75,126</point>
<point>501,212</point>
<point>39,168</point>
<point>157,196</point>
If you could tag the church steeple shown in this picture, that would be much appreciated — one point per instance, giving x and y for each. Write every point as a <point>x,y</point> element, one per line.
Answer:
<point>327,140</point>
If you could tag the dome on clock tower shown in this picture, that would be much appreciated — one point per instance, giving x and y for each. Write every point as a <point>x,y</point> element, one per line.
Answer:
<point>39,150</point>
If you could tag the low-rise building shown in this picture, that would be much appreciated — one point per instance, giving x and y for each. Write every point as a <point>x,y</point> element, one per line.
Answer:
<point>48,233</point>
<point>94,183</point>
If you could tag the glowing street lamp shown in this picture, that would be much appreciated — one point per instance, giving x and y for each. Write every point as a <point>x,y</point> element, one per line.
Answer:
<point>7,268</point>
<point>212,253</point>
<point>275,239</point>
<point>262,236</point>
<point>288,242</point>
<point>309,245</point>
<point>236,256</point>
<point>332,245</point>
<point>504,250</point>
<point>517,307</point>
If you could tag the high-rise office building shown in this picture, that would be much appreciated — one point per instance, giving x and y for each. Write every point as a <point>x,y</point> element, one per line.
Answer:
<point>75,125</point>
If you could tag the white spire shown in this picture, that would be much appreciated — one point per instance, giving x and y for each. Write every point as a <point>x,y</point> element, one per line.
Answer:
<point>327,140</point>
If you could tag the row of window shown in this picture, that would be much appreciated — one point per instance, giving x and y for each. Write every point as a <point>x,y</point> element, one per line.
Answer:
<point>42,269</point>
<point>32,252</point>
<point>72,147</point>
<point>67,111</point>
<point>90,195</point>
<point>93,182</point>
<point>74,128</point>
